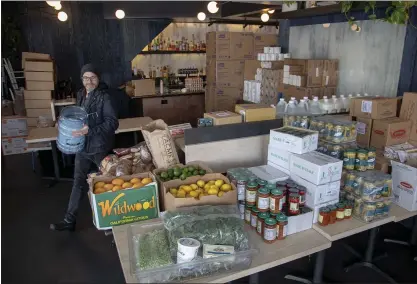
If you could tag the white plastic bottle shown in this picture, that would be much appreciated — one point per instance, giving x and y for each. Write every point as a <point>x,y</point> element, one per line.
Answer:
<point>306,100</point>
<point>315,106</point>
<point>326,106</point>
<point>345,103</point>
<point>350,97</point>
<point>280,108</point>
<point>302,108</point>
<point>338,105</point>
<point>294,100</point>
<point>366,95</point>
<point>358,95</point>
<point>290,108</point>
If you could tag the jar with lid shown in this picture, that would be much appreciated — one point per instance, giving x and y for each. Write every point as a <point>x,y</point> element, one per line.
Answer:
<point>282,226</point>
<point>284,193</point>
<point>270,230</point>
<point>294,204</point>
<point>348,210</point>
<point>262,183</point>
<point>276,201</point>
<point>254,217</point>
<point>270,187</point>
<point>248,210</point>
<point>262,199</point>
<point>340,213</point>
<point>333,212</point>
<point>324,216</point>
<point>241,185</point>
<point>251,189</point>
<point>290,191</point>
<point>302,193</point>
<point>253,178</point>
<point>260,222</point>
<point>281,183</point>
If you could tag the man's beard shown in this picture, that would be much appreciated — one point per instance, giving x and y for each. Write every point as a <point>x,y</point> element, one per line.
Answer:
<point>90,89</point>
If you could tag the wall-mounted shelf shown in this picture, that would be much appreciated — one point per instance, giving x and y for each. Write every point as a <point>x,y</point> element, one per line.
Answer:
<point>171,52</point>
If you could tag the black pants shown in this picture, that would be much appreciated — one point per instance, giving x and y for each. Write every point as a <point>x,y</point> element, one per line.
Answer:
<point>83,165</point>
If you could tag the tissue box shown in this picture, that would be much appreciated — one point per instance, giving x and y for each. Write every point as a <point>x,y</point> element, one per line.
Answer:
<point>294,140</point>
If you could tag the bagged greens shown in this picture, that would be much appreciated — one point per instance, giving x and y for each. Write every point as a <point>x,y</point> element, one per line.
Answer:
<point>153,250</point>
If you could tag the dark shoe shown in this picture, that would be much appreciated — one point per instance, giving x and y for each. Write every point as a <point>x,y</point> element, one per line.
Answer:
<point>63,226</point>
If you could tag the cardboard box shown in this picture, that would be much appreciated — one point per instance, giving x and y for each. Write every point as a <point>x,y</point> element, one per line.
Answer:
<point>330,73</point>
<point>177,130</point>
<point>314,73</point>
<point>279,157</point>
<point>222,98</point>
<point>230,45</point>
<point>390,131</point>
<point>287,172</point>
<point>404,185</point>
<point>144,87</point>
<point>37,95</point>
<point>224,117</point>
<point>382,164</point>
<point>318,194</point>
<point>171,203</point>
<point>269,173</point>
<point>13,126</point>
<point>40,86</point>
<point>36,112</point>
<point>299,62</point>
<point>37,104</point>
<point>300,222</point>
<point>32,121</point>
<point>124,206</point>
<point>250,69</point>
<point>363,130</point>
<point>316,167</point>
<point>11,146</point>
<point>294,144</point>
<point>34,56</point>
<point>39,76</point>
<point>39,65</point>
<point>255,112</point>
<point>409,111</point>
<point>327,91</point>
<point>226,73</point>
<point>375,108</point>
<point>299,92</point>
<point>262,40</point>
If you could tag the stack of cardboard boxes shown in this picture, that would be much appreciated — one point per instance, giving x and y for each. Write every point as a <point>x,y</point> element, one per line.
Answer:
<point>13,135</point>
<point>226,56</point>
<point>39,84</point>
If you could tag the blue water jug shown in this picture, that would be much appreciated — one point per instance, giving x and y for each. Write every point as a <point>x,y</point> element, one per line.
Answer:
<point>71,118</point>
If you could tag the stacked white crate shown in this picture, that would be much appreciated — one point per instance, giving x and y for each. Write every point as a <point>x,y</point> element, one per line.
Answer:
<point>318,173</point>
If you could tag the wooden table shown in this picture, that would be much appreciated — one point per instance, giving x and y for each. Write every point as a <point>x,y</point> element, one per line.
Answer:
<point>400,213</point>
<point>270,255</point>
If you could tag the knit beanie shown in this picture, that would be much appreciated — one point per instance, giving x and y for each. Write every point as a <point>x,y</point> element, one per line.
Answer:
<point>90,68</point>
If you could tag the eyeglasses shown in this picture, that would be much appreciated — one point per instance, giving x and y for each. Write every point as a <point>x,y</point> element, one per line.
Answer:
<point>91,79</point>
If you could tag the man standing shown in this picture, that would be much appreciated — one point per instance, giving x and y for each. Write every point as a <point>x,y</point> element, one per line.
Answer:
<point>99,138</point>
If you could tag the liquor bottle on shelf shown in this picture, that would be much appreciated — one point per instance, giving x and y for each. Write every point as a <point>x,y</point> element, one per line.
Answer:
<point>193,47</point>
<point>150,46</point>
<point>161,44</point>
<point>150,71</point>
<point>153,72</point>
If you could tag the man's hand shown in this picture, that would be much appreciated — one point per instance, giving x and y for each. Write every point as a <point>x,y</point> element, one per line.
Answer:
<point>83,131</point>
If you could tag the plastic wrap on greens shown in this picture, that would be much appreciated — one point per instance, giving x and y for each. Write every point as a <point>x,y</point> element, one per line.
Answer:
<point>215,225</point>
<point>153,250</point>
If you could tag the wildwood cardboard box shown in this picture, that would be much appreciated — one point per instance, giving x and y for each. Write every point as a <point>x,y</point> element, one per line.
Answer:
<point>39,76</point>
<point>318,194</point>
<point>375,108</point>
<point>123,206</point>
<point>13,126</point>
<point>37,104</point>
<point>37,95</point>
<point>250,69</point>
<point>224,117</point>
<point>39,86</point>
<point>16,145</point>
<point>279,157</point>
<point>144,87</point>
<point>39,65</point>
<point>262,40</point>
<point>230,45</point>
<point>404,185</point>
<point>409,111</point>
<point>34,56</point>
<point>255,112</point>
<point>316,167</point>
<point>390,131</point>
<point>171,203</point>
<point>226,73</point>
<point>364,131</point>
<point>279,138</point>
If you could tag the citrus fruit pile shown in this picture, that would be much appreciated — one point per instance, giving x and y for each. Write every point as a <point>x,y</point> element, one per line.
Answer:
<point>201,188</point>
<point>181,173</point>
<point>120,184</point>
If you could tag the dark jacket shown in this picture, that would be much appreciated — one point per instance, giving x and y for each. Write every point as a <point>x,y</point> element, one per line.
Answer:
<point>102,120</point>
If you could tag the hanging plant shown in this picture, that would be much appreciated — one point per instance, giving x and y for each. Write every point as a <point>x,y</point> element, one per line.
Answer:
<point>397,13</point>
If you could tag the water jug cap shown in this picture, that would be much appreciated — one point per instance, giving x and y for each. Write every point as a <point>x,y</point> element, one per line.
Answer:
<point>324,97</point>
<point>366,94</point>
<point>315,98</point>
<point>342,96</point>
<point>305,98</point>
<point>282,100</point>
<point>333,96</point>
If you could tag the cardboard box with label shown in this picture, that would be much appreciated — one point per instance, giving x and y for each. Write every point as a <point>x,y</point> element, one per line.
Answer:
<point>37,95</point>
<point>144,87</point>
<point>375,108</point>
<point>39,76</point>
<point>36,112</point>
<point>404,185</point>
<point>230,45</point>
<point>222,98</point>
<point>39,65</point>
<point>255,112</point>
<point>11,146</point>
<point>364,131</point>
<point>314,73</point>
<point>409,111</point>
<point>280,138</point>
<point>318,194</point>
<point>37,104</point>
<point>40,86</point>
<point>250,69</point>
<point>224,117</point>
<point>13,126</point>
<point>226,73</point>
<point>390,131</point>
<point>34,56</point>
<point>316,167</point>
<point>330,73</point>
<point>299,92</point>
<point>262,40</point>
<point>279,157</point>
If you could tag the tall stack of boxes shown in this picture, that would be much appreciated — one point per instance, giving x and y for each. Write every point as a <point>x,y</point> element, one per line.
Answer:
<point>39,84</point>
<point>226,56</point>
<point>318,173</point>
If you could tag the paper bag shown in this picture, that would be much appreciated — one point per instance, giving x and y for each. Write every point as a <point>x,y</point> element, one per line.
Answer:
<point>160,143</point>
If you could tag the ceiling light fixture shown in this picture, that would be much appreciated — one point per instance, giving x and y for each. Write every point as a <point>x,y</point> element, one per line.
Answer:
<point>120,14</point>
<point>53,3</point>
<point>271,11</point>
<point>265,17</point>
<point>326,25</point>
<point>62,16</point>
<point>201,16</point>
<point>58,6</point>
<point>212,7</point>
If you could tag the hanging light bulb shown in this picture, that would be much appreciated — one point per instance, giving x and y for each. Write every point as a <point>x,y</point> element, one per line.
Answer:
<point>265,17</point>
<point>53,3</point>
<point>58,6</point>
<point>271,11</point>
<point>212,7</point>
<point>201,16</point>
<point>326,25</point>
<point>62,16</point>
<point>120,14</point>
